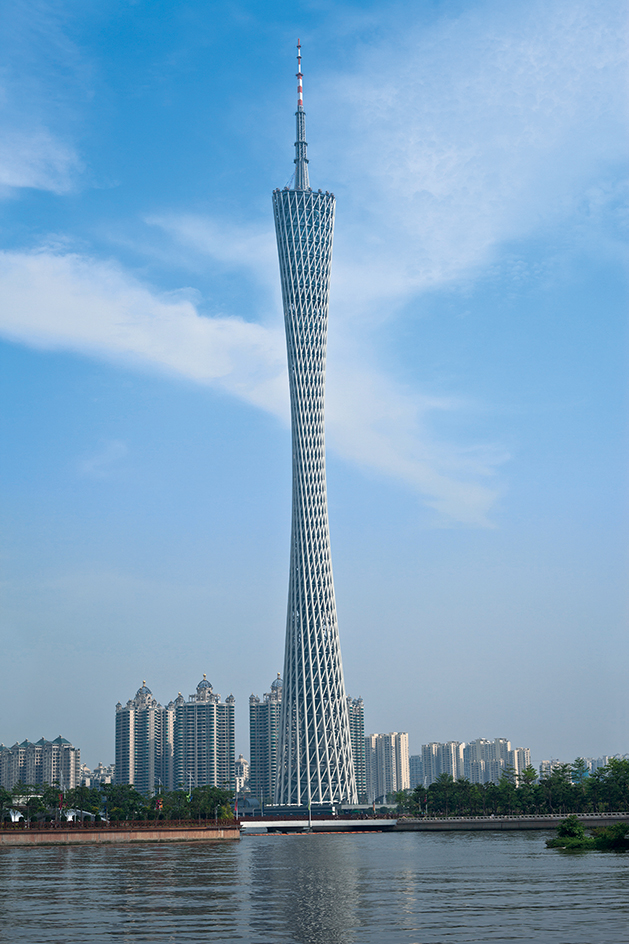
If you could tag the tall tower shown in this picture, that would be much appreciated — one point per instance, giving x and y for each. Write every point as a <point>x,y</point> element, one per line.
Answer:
<point>315,762</point>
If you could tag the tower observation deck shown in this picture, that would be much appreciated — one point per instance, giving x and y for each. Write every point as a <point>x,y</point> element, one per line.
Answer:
<point>315,762</point>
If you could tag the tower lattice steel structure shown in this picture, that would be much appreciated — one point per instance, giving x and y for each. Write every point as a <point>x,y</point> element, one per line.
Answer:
<point>315,763</point>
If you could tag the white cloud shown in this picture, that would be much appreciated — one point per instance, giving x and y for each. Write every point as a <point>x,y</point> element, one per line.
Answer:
<point>35,159</point>
<point>76,303</point>
<point>448,140</point>
<point>44,81</point>
<point>81,304</point>
<point>377,425</point>
<point>249,247</point>
<point>102,463</point>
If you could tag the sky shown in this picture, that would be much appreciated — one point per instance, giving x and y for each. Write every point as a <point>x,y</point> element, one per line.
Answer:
<point>476,411</point>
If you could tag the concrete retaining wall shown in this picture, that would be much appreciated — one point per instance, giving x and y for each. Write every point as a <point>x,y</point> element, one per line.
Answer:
<point>38,837</point>
<point>504,822</point>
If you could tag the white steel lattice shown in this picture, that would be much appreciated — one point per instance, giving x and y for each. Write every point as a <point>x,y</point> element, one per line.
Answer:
<point>315,753</point>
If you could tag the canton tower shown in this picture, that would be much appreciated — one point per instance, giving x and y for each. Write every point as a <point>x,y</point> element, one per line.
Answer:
<point>315,763</point>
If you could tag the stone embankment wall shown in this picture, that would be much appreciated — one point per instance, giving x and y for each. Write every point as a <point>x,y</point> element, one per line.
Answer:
<point>543,821</point>
<point>32,836</point>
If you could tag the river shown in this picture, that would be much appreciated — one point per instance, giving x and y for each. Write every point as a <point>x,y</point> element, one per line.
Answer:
<point>401,888</point>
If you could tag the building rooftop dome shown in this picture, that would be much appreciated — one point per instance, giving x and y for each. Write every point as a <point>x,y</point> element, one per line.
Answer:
<point>277,683</point>
<point>143,690</point>
<point>204,684</point>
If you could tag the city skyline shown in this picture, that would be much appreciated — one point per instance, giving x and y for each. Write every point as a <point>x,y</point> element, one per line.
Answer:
<point>475,410</point>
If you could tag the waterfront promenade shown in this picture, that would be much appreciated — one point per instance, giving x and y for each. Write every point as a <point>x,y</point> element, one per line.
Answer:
<point>78,834</point>
<point>536,821</point>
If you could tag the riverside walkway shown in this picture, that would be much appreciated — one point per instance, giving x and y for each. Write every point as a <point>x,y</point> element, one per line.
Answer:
<point>78,833</point>
<point>535,821</point>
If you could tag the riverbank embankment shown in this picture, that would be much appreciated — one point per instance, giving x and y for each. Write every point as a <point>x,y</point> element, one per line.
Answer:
<point>78,835</point>
<point>541,821</point>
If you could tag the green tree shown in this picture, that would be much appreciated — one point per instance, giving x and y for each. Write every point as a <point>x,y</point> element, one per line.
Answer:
<point>210,802</point>
<point>27,797</point>
<point>417,801</point>
<point>176,805</point>
<point>571,827</point>
<point>53,799</point>
<point>507,794</point>
<point>403,800</point>
<point>440,794</point>
<point>528,776</point>
<point>6,802</point>
<point>123,802</point>
<point>612,782</point>
<point>85,799</point>
<point>557,789</point>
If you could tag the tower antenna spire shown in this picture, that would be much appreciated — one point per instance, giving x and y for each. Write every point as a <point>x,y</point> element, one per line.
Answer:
<point>301,145</point>
<point>300,90</point>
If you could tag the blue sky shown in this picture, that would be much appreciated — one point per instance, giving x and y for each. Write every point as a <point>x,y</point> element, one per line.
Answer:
<point>476,388</point>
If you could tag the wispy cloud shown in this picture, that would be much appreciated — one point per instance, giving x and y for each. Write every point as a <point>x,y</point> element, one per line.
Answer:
<point>42,79</point>
<point>35,159</point>
<point>446,142</point>
<point>449,140</point>
<point>102,464</point>
<point>80,304</point>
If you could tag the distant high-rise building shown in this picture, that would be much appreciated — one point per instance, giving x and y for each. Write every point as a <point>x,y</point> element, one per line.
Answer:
<point>204,739</point>
<point>416,770</point>
<point>476,757</point>
<point>241,773</point>
<point>479,761</point>
<point>546,767</point>
<point>451,759</point>
<point>101,774</point>
<point>356,714</point>
<point>487,761</point>
<point>517,760</point>
<point>315,764</point>
<point>264,729</point>
<point>144,743</point>
<point>386,757</point>
<point>430,762</point>
<point>51,762</point>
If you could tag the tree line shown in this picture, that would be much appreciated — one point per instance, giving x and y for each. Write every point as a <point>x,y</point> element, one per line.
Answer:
<point>114,802</point>
<point>567,788</point>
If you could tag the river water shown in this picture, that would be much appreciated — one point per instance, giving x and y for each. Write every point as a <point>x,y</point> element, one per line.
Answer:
<point>402,888</point>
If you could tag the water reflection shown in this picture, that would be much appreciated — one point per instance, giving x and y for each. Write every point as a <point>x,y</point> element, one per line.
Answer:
<point>313,881</point>
<point>404,888</point>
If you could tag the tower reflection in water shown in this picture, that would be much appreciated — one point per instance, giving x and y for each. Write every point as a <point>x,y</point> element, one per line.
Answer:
<point>313,881</point>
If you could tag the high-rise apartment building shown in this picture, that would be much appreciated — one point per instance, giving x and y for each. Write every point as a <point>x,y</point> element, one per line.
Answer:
<point>386,757</point>
<point>315,756</point>
<point>416,770</point>
<point>356,714</point>
<point>479,761</point>
<point>184,744</point>
<point>144,743</point>
<point>451,759</point>
<point>264,728</point>
<point>102,774</point>
<point>476,757</point>
<point>241,774</point>
<point>51,762</point>
<point>204,739</point>
<point>431,762</point>
<point>487,761</point>
<point>517,760</point>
